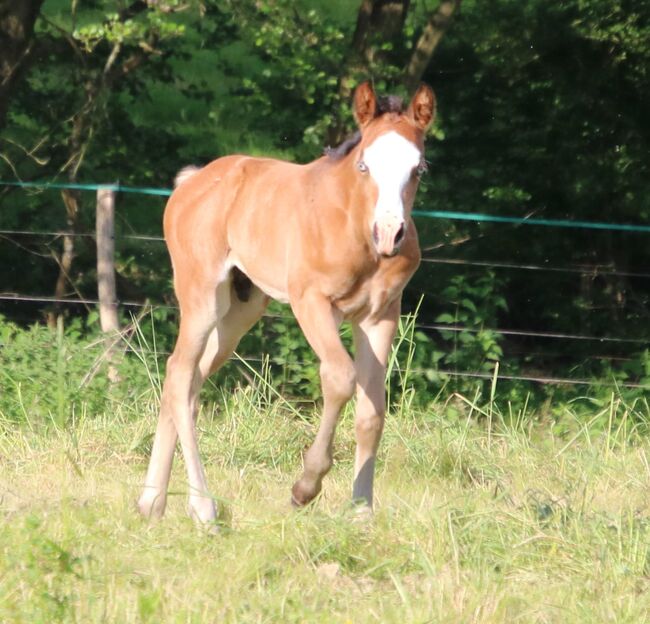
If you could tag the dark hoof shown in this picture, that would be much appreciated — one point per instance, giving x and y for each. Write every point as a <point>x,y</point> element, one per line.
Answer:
<point>301,496</point>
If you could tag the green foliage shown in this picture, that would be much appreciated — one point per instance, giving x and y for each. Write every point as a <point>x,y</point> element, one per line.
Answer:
<point>476,308</point>
<point>51,378</point>
<point>50,569</point>
<point>110,29</point>
<point>300,53</point>
<point>541,112</point>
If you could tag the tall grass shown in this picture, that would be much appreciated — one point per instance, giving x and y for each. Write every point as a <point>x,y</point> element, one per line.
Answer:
<point>485,512</point>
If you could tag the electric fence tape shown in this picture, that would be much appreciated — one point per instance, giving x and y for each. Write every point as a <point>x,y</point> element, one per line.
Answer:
<point>432,214</point>
<point>142,190</point>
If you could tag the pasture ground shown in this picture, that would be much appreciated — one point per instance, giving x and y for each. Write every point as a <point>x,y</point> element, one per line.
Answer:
<point>479,519</point>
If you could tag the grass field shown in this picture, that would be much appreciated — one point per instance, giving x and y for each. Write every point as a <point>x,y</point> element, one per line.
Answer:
<point>478,519</point>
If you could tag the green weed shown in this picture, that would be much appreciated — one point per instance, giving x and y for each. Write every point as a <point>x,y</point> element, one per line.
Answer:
<point>485,512</point>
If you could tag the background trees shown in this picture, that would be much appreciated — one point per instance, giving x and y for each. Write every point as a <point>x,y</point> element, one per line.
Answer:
<point>542,111</point>
<point>16,29</point>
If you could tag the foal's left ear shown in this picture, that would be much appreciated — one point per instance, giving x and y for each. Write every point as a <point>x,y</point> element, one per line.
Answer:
<point>365,104</point>
<point>422,109</point>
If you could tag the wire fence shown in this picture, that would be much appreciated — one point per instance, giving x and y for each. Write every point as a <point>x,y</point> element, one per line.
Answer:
<point>441,327</point>
<point>439,372</point>
<point>591,269</point>
<point>587,269</point>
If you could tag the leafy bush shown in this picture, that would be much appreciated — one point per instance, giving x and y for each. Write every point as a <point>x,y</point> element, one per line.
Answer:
<point>53,377</point>
<point>475,307</point>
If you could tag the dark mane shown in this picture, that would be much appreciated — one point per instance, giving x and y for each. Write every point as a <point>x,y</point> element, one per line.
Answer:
<point>385,104</point>
<point>342,150</point>
<point>389,104</point>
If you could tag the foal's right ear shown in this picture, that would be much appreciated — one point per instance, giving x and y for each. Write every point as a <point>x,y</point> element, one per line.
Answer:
<point>365,104</point>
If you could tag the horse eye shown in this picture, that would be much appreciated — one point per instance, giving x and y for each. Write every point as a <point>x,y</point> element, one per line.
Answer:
<point>361,166</point>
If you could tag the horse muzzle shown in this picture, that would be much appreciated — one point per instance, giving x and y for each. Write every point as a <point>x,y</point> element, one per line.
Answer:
<point>388,236</point>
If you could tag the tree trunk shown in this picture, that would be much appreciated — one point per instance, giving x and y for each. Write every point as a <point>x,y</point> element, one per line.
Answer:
<point>378,21</point>
<point>71,202</point>
<point>17,20</point>
<point>433,32</point>
<point>382,21</point>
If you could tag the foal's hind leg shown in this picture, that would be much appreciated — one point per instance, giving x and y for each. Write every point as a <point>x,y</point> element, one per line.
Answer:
<point>223,340</point>
<point>225,337</point>
<point>176,420</point>
<point>219,345</point>
<point>200,301</point>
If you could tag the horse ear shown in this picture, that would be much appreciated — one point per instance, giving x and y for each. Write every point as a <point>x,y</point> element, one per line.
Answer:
<point>422,109</point>
<point>365,104</point>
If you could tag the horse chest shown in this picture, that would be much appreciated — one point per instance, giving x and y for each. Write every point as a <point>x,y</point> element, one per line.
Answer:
<point>371,294</point>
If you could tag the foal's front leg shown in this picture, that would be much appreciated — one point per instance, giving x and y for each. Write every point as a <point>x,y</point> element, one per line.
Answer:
<point>320,323</point>
<point>373,340</point>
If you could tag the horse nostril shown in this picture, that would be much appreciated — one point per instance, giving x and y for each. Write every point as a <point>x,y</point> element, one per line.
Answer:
<point>399,237</point>
<point>375,233</point>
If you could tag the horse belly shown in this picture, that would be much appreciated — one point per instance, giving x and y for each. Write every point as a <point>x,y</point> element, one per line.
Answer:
<point>279,294</point>
<point>265,274</point>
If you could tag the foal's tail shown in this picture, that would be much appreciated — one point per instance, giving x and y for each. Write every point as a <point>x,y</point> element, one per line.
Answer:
<point>185,174</point>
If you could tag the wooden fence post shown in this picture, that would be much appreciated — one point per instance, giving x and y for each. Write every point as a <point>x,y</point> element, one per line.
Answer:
<point>106,289</point>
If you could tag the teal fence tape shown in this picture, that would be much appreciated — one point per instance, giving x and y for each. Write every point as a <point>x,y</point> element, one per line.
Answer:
<point>478,217</point>
<point>432,214</point>
<point>143,190</point>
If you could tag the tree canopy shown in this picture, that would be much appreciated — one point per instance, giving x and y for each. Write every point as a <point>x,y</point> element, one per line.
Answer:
<point>542,112</point>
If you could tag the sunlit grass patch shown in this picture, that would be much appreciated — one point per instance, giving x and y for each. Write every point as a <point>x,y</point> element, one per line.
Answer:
<point>484,513</point>
<point>517,523</point>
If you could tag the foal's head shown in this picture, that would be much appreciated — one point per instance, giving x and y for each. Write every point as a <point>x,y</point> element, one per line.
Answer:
<point>391,159</point>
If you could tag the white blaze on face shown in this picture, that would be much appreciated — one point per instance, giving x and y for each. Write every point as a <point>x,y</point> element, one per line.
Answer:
<point>390,160</point>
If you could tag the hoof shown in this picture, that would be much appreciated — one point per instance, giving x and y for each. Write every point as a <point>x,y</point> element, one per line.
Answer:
<point>302,495</point>
<point>209,528</point>
<point>362,513</point>
<point>151,507</point>
<point>203,511</point>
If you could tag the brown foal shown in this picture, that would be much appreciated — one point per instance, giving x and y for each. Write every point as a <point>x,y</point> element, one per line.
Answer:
<point>334,238</point>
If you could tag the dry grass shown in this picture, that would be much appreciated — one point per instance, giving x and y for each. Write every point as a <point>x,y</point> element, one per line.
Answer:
<point>507,525</point>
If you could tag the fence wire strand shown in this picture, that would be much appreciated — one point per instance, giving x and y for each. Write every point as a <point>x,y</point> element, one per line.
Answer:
<point>439,372</point>
<point>60,233</point>
<point>428,326</point>
<point>594,270</point>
